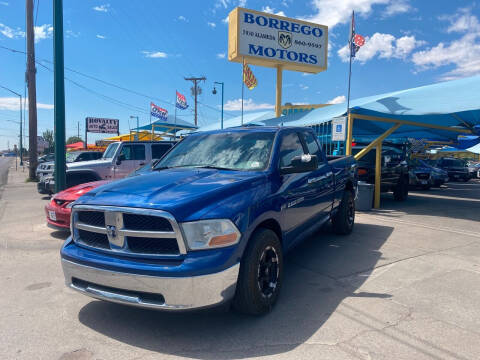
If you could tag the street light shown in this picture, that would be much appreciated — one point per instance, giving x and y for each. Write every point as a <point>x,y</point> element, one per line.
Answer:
<point>21,142</point>
<point>136,133</point>
<point>214,91</point>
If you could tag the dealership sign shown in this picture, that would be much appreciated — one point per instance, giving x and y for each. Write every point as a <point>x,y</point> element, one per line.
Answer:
<point>102,125</point>
<point>270,40</point>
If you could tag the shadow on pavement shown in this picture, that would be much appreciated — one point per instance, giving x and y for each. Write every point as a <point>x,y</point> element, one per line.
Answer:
<point>459,198</point>
<point>311,293</point>
<point>60,234</point>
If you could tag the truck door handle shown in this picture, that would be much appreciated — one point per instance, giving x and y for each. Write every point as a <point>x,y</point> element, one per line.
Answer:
<point>141,164</point>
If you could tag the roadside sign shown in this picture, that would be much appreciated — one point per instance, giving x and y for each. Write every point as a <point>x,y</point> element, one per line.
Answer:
<point>270,40</point>
<point>102,125</point>
<point>338,128</point>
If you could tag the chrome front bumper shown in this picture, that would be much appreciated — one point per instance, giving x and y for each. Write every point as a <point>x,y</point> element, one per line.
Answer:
<point>167,293</point>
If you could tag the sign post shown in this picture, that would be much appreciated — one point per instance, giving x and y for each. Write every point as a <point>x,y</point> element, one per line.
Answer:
<point>274,41</point>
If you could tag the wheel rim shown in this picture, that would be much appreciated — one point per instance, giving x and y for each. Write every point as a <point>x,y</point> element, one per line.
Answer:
<point>268,272</point>
<point>350,212</point>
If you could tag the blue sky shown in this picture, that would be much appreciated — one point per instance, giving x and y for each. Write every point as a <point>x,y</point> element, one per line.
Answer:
<point>148,46</point>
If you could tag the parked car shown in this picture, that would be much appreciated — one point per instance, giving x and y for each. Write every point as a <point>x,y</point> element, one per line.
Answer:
<point>46,168</point>
<point>473,169</point>
<point>420,174</point>
<point>211,223</point>
<point>394,176</point>
<point>120,159</point>
<point>457,169</point>
<point>438,175</point>
<point>58,210</point>
<point>46,158</point>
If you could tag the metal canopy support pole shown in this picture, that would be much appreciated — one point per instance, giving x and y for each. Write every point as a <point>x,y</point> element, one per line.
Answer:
<point>378,173</point>
<point>348,145</point>
<point>59,97</point>
<point>375,142</point>
<point>278,95</point>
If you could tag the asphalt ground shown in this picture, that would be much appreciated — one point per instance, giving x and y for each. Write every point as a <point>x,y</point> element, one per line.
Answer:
<point>404,285</point>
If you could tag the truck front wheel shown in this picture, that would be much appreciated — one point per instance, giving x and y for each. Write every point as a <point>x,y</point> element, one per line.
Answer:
<point>260,277</point>
<point>344,219</point>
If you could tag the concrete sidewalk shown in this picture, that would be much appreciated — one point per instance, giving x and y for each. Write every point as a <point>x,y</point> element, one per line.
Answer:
<point>404,285</point>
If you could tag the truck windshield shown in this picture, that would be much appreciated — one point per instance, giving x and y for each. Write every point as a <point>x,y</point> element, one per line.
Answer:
<point>249,151</point>
<point>71,157</point>
<point>108,154</point>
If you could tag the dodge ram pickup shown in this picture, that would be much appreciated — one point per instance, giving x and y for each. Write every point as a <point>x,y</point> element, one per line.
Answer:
<point>212,222</point>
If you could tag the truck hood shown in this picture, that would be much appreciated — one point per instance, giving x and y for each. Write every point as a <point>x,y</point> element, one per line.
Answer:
<point>182,192</point>
<point>89,164</point>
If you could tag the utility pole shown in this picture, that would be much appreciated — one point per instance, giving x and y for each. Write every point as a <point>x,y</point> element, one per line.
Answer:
<point>32,93</point>
<point>195,80</point>
<point>78,129</point>
<point>59,96</point>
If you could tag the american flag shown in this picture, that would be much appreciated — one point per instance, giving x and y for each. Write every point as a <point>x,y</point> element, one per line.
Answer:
<point>158,112</point>
<point>356,40</point>
<point>181,102</point>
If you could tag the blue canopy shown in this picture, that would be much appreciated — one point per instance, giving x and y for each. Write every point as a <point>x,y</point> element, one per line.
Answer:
<point>168,126</point>
<point>248,118</point>
<point>450,104</point>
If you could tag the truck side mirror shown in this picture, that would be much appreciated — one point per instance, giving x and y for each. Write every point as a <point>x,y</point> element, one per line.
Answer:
<point>120,158</point>
<point>300,164</point>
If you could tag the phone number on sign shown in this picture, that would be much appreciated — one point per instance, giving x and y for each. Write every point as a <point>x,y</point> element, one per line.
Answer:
<point>309,44</point>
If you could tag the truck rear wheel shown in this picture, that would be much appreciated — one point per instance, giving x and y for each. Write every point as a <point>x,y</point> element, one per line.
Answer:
<point>344,219</point>
<point>400,192</point>
<point>260,278</point>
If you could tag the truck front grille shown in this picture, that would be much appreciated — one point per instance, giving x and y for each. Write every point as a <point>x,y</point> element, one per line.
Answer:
<point>94,218</point>
<point>127,231</point>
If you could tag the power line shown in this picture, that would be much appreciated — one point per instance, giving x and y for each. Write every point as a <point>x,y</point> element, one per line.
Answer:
<point>111,84</point>
<point>36,12</point>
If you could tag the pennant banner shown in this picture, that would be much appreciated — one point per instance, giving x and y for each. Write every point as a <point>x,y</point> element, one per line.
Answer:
<point>248,77</point>
<point>181,102</point>
<point>158,112</point>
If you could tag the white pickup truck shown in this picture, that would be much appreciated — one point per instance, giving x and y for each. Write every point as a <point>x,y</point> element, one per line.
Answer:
<point>119,159</point>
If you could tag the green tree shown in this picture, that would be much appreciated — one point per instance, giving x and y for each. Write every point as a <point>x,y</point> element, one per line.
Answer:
<point>73,140</point>
<point>48,136</point>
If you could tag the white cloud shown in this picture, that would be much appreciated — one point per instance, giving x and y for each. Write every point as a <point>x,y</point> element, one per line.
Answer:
<point>270,10</point>
<point>397,7</point>
<point>462,53</point>
<point>101,36</point>
<point>225,21</point>
<point>337,100</point>
<point>242,3</point>
<point>102,8</point>
<point>4,3</point>
<point>212,24</point>
<point>384,46</point>
<point>154,54</point>
<point>182,18</point>
<point>12,103</point>
<point>43,32</point>
<point>248,105</point>
<point>334,12</point>
<point>221,55</point>
<point>73,34</point>
<point>304,87</point>
<point>10,32</point>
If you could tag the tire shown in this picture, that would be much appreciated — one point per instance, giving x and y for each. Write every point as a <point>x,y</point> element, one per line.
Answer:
<point>400,193</point>
<point>255,294</point>
<point>344,219</point>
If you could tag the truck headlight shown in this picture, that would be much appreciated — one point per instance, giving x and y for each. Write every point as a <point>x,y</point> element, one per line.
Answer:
<point>207,234</point>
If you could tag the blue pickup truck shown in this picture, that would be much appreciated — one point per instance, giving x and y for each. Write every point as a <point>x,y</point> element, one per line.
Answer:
<point>211,223</point>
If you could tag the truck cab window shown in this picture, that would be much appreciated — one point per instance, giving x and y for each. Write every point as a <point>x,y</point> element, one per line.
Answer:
<point>312,145</point>
<point>139,152</point>
<point>290,147</point>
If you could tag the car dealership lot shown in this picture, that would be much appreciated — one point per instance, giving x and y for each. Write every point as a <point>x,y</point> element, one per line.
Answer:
<point>404,285</point>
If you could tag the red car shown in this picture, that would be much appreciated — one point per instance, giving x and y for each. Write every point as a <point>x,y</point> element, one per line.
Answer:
<point>58,210</point>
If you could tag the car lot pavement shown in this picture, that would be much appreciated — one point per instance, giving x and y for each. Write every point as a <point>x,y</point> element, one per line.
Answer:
<point>404,285</point>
